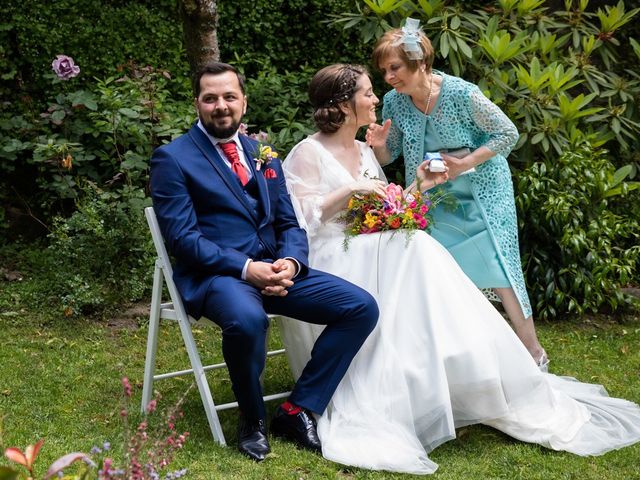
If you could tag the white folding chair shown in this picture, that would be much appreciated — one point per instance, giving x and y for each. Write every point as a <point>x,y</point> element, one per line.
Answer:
<point>175,311</point>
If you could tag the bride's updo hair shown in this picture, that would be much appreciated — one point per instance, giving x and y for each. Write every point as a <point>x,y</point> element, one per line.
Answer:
<point>331,87</point>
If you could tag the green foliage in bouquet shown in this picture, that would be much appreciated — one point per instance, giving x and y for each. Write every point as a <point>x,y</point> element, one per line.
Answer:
<point>577,251</point>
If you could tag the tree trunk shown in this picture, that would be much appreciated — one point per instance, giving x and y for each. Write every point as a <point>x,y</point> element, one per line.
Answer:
<point>199,27</point>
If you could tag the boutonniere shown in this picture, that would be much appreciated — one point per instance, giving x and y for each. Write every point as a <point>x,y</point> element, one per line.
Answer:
<point>263,155</point>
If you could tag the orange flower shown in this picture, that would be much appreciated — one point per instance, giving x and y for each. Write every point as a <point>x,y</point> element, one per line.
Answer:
<point>394,222</point>
<point>67,162</point>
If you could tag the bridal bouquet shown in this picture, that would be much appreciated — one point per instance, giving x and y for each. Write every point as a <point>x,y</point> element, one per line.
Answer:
<point>370,213</point>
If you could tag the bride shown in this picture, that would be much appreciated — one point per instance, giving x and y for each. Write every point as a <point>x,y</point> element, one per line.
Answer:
<point>441,356</point>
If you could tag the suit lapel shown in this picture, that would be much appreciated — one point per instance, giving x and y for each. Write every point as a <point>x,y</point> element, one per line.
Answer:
<point>250,147</point>
<point>203,144</point>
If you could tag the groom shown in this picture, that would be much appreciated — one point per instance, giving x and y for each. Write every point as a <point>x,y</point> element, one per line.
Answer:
<point>240,254</point>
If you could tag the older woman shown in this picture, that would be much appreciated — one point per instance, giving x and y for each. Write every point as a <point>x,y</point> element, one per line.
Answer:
<point>430,111</point>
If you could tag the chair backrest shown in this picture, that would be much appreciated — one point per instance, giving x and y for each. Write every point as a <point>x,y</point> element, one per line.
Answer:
<point>164,263</point>
<point>158,240</point>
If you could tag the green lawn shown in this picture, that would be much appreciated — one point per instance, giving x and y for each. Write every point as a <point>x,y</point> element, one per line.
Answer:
<point>60,380</point>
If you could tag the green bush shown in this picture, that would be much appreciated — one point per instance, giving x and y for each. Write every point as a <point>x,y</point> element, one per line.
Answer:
<point>285,35</point>
<point>100,256</point>
<point>286,122</point>
<point>578,252</point>
<point>105,136</point>
<point>100,35</point>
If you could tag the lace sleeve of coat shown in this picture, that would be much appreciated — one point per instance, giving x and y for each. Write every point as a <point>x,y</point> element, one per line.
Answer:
<point>502,133</point>
<point>394,140</point>
<point>303,174</point>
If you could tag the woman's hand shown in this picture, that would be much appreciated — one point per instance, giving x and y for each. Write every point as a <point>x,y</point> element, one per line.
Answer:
<point>369,185</point>
<point>426,179</point>
<point>456,165</point>
<point>376,136</point>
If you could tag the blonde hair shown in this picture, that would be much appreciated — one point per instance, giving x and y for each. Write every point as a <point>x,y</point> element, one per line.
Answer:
<point>390,44</point>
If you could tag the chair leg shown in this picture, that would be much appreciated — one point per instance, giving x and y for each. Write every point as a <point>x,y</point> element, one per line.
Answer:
<point>201,381</point>
<point>152,338</point>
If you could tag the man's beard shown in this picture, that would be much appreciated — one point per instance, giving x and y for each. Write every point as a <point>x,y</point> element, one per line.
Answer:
<point>220,132</point>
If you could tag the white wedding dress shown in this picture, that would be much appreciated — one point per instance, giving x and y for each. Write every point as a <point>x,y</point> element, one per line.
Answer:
<point>441,356</point>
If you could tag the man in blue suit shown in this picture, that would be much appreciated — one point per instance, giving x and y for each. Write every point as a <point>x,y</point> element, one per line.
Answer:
<point>240,254</point>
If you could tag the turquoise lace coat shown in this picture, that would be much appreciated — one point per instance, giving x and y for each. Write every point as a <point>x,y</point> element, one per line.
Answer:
<point>464,117</point>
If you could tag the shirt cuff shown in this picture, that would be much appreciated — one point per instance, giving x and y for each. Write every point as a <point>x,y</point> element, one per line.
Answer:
<point>297,265</point>
<point>243,275</point>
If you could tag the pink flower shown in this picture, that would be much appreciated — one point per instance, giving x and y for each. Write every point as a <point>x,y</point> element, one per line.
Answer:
<point>126,386</point>
<point>64,67</point>
<point>394,196</point>
<point>63,462</point>
<point>261,136</point>
<point>151,407</point>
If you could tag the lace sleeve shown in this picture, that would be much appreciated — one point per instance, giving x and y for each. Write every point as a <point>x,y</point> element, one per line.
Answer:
<point>394,140</point>
<point>302,169</point>
<point>502,133</point>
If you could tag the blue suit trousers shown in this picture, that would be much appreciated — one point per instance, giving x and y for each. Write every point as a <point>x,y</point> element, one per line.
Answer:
<point>349,313</point>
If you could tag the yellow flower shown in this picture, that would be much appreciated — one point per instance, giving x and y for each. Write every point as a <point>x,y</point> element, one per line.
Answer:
<point>370,219</point>
<point>267,153</point>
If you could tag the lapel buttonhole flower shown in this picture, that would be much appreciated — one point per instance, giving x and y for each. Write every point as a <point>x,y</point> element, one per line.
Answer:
<point>263,155</point>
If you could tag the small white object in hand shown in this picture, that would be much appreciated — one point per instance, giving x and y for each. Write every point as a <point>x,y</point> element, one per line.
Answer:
<point>436,164</point>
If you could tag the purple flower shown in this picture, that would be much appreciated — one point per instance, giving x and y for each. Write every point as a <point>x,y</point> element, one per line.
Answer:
<point>64,67</point>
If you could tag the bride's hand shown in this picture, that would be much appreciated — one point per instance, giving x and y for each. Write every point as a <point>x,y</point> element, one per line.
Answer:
<point>376,135</point>
<point>369,185</point>
<point>427,179</point>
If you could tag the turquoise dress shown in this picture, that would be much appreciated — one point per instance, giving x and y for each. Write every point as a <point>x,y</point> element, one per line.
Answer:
<point>463,231</point>
<point>482,232</point>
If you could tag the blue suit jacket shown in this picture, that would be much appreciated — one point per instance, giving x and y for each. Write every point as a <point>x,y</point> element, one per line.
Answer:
<point>207,222</point>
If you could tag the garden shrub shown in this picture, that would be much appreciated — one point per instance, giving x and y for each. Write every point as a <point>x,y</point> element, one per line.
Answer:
<point>105,136</point>
<point>577,250</point>
<point>100,35</point>
<point>102,255</point>
<point>279,105</point>
<point>285,35</point>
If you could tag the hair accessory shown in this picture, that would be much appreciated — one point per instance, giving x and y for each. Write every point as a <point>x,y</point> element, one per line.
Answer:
<point>338,99</point>
<point>410,39</point>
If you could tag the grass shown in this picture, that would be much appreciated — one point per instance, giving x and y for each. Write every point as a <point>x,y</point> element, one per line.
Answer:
<point>60,380</point>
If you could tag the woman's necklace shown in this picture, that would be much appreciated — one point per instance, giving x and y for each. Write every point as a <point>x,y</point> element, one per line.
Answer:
<point>429,97</point>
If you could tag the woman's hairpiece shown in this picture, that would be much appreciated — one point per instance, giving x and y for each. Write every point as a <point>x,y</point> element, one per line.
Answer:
<point>410,39</point>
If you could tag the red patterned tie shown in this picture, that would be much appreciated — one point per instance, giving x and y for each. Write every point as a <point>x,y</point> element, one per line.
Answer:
<point>230,149</point>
